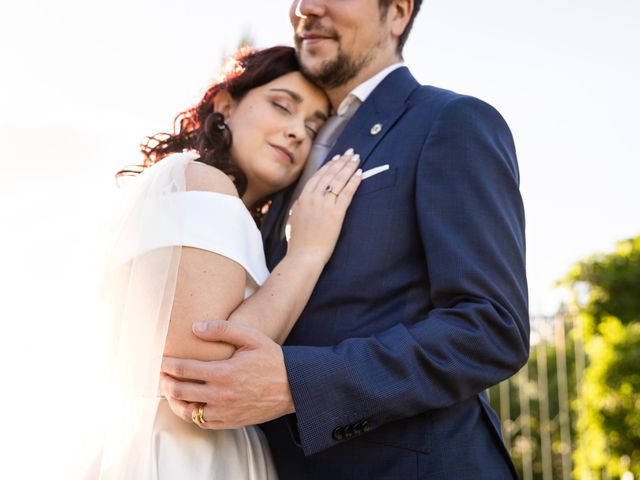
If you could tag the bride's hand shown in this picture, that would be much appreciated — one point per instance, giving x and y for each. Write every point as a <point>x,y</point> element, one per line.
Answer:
<point>317,216</point>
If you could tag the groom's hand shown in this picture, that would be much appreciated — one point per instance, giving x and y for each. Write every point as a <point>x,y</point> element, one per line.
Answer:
<point>249,388</point>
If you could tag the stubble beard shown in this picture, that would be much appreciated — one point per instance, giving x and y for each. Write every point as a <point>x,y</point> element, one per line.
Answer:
<point>335,72</point>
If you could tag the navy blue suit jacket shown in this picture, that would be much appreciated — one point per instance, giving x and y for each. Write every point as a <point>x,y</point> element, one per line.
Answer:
<point>423,304</point>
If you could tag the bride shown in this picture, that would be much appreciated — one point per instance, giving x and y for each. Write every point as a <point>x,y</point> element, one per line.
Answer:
<point>185,247</point>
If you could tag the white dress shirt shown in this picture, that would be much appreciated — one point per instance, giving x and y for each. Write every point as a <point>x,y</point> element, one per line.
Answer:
<point>362,91</point>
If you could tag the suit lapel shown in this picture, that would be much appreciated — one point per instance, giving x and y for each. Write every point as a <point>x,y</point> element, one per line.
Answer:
<point>377,115</point>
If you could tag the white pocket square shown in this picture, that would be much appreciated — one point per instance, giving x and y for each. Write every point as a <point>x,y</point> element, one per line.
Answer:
<point>374,171</point>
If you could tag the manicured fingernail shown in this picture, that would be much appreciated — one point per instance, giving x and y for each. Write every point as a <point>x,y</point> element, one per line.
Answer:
<point>355,158</point>
<point>336,157</point>
<point>200,326</point>
<point>359,172</point>
<point>349,152</point>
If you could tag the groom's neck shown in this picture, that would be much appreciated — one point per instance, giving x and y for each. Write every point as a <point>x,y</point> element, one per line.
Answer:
<point>337,94</point>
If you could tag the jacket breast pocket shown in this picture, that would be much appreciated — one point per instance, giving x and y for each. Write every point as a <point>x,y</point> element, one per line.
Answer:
<point>378,181</point>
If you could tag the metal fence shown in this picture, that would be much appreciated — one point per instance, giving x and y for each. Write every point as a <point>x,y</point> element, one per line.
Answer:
<point>536,405</point>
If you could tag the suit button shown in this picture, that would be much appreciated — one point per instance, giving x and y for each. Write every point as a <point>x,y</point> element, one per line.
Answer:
<point>365,426</point>
<point>348,431</point>
<point>338,433</point>
<point>357,429</point>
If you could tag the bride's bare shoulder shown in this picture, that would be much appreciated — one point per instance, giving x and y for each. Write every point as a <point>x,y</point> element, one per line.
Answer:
<point>203,177</point>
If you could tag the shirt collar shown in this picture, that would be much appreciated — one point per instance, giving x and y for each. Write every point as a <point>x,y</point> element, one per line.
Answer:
<point>362,91</point>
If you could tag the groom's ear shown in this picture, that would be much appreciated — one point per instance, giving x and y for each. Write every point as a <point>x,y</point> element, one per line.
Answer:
<point>399,15</point>
<point>224,103</point>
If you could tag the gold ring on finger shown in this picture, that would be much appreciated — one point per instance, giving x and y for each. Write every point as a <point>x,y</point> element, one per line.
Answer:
<point>201,413</point>
<point>195,415</point>
<point>328,189</point>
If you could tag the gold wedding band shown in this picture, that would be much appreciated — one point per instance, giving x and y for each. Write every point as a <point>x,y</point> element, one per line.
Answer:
<point>201,413</point>
<point>194,416</point>
<point>197,414</point>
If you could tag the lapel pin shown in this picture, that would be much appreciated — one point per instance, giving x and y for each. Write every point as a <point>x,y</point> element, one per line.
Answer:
<point>376,129</point>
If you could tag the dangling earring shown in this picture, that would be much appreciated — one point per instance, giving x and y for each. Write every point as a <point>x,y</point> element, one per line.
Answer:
<point>221,121</point>
<point>221,124</point>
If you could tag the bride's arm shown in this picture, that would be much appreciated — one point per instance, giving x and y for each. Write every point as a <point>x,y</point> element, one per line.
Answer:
<point>276,306</point>
<point>211,286</point>
<point>208,285</point>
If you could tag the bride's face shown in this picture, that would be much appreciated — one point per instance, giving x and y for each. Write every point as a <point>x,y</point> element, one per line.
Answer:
<point>273,127</point>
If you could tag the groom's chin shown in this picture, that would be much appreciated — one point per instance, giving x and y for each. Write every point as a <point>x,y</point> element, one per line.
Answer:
<point>314,56</point>
<point>318,69</point>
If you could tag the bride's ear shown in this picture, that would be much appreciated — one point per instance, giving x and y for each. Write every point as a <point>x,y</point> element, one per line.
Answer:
<point>224,103</point>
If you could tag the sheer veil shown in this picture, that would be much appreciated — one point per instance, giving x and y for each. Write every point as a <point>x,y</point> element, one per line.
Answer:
<point>155,217</point>
<point>138,287</point>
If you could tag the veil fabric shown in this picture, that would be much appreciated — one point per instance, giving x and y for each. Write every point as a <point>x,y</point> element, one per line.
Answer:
<point>155,218</point>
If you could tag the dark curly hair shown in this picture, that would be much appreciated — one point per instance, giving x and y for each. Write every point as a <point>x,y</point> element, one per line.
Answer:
<point>202,129</point>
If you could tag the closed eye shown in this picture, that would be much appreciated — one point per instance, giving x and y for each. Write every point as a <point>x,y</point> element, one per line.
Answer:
<point>281,107</point>
<point>313,133</point>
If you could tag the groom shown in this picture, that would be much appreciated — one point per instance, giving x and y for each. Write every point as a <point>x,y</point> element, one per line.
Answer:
<point>423,305</point>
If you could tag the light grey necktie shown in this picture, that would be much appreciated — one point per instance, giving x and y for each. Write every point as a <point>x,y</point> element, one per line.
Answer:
<point>322,145</point>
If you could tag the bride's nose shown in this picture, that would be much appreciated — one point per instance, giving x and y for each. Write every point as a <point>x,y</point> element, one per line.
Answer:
<point>295,130</point>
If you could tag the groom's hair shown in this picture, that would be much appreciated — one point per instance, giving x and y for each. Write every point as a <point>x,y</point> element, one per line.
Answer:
<point>384,7</point>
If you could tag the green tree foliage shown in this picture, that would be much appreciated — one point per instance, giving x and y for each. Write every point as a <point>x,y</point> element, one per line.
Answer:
<point>609,427</point>
<point>607,292</point>
<point>608,285</point>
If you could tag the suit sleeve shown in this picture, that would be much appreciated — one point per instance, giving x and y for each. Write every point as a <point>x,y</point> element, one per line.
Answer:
<point>471,224</point>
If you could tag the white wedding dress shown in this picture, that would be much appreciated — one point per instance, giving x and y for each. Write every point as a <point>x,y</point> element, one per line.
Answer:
<point>143,438</point>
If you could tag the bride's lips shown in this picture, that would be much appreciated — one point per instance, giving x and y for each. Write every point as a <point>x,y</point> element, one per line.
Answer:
<point>284,153</point>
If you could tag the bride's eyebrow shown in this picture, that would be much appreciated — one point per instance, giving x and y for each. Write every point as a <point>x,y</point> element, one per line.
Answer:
<point>298,99</point>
